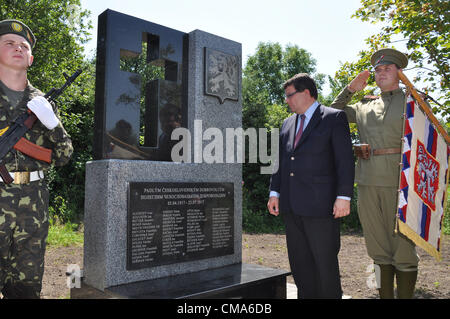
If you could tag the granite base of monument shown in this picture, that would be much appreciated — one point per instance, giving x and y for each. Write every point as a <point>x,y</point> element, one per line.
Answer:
<point>238,281</point>
<point>147,220</point>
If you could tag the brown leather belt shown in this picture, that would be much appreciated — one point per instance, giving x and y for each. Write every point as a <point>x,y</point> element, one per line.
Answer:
<point>364,151</point>
<point>386,151</point>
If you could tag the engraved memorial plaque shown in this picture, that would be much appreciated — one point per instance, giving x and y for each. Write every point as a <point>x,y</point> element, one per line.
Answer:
<point>177,222</point>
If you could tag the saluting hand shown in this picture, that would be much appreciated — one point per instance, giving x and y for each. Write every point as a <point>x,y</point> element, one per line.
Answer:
<point>360,82</point>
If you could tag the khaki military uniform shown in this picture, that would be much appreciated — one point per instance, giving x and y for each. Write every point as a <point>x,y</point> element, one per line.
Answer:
<point>379,121</point>
<point>24,207</point>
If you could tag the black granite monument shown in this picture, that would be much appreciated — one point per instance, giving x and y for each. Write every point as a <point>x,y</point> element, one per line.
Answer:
<point>141,85</point>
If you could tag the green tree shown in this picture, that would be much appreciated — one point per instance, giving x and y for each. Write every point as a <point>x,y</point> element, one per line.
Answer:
<point>67,183</point>
<point>61,28</point>
<point>264,107</point>
<point>424,27</point>
<point>271,65</point>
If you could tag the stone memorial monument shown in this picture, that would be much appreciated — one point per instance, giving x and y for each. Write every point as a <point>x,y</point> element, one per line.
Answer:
<point>163,207</point>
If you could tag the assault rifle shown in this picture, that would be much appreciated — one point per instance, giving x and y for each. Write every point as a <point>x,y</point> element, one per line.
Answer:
<point>13,136</point>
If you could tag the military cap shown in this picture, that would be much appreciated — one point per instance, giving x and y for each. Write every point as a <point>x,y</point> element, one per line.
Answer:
<point>17,27</point>
<point>389,56</point>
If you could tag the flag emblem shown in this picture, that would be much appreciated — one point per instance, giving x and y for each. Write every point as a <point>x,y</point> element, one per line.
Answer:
<point>426,176</point>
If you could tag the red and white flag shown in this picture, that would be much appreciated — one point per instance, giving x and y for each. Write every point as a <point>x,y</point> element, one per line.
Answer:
<point>423,180</point>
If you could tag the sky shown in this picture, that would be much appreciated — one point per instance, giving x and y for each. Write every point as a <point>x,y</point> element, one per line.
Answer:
<point>322,27</point>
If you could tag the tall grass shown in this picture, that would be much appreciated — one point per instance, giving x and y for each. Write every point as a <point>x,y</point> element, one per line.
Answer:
<point>446,221</point>
<point>65,235</point>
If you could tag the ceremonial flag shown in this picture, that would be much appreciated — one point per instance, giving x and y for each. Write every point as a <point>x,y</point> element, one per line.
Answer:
<point>423,179</point>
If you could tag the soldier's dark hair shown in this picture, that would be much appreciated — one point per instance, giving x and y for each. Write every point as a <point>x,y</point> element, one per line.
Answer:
<point>301,82</point>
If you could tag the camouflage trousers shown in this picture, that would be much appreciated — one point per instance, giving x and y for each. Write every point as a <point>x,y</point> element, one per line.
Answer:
<point>23,234</point>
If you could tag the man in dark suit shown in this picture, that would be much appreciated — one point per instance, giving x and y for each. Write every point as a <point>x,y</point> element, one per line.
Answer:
<point>313,187</point>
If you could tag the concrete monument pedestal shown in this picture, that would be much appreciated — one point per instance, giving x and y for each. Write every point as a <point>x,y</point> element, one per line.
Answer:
<point>105,243</point>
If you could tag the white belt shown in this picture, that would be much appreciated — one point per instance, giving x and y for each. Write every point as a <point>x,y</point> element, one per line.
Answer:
<point>34,176</point>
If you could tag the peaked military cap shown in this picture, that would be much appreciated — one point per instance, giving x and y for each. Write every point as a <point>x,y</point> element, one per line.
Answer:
<point>17,27</point>
<point>389,56</point>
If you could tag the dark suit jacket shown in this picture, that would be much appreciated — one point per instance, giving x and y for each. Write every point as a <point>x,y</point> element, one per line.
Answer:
<point>320,168</point>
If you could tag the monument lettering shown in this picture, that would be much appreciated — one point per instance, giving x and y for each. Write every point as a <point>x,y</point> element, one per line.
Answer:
<point>176,222</point>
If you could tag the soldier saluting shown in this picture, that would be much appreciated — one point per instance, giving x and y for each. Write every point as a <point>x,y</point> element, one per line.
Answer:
<point>24,203</point>
<point>379,122</point>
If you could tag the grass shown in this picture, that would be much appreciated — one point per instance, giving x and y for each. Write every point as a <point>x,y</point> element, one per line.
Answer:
<point>446,221</point>
<point>65,235</point>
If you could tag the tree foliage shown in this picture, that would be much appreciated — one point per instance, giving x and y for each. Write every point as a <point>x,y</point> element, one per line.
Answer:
<point>270,66</point>
<point>61,28</point>
<point>77,113</point>
<point>423,25</point>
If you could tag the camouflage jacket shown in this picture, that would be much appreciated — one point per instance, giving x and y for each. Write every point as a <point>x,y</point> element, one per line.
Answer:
<point>379,121</point>
<point>56,139</point>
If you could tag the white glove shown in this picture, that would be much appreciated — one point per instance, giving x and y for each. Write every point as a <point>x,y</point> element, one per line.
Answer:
<point>44,112</point>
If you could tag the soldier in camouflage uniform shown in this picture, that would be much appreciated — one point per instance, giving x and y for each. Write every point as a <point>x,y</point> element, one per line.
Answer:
<point>24,203</point>
<point>379,121</point>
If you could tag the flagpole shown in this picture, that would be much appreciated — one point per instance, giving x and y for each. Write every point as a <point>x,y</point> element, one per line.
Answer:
<point>424,106</point>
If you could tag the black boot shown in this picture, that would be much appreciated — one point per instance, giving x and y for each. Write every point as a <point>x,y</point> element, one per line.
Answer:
<point>406,283</point>
<point>386,289</point>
